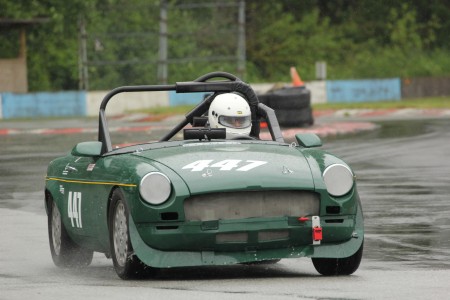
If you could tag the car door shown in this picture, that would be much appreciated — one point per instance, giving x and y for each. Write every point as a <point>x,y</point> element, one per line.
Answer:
<point>79,192</point>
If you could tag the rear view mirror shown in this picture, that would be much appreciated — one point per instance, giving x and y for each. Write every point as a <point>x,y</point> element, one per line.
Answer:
<point>308,140</point>
<point>93,148</point>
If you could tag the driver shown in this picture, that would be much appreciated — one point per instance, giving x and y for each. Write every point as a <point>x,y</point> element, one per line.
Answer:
<point>232,112</point>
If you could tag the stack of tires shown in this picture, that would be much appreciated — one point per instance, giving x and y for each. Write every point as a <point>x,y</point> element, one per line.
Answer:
<point>292,106</point>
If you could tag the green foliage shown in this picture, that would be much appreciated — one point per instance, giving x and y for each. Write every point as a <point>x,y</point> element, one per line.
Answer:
<point>357,39</point>
<point>51,46</point>
<point>404,30</point>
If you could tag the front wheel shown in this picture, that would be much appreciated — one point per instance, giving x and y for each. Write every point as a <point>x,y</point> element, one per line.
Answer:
<point>338,266</point>
<point>65,252</point>
<point>126,264</point>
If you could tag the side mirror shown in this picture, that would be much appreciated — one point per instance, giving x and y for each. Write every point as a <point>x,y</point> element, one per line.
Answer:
<point>308,140</point>
<point>93,148</point>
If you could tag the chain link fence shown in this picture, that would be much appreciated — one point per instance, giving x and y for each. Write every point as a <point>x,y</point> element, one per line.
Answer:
<point>160,42</point>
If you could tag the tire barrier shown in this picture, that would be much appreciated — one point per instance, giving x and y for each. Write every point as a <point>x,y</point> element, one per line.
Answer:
<point>292,106</point>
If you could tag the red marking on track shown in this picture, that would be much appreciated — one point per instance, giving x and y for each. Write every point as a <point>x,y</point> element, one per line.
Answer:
<point>135,129</point>
<point>62,131</point>
<point>5,131</point>
<point>323,113</point>
<point>378,112</point>
<point>325,129</point>
<point>432,112</point>
<point>153,118</point>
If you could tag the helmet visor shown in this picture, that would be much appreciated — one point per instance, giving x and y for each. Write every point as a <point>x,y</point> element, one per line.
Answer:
<point>235,122</point>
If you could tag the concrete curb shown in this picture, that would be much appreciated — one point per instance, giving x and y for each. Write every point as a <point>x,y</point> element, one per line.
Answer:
<point>342,122</point>
<point>373,113</point>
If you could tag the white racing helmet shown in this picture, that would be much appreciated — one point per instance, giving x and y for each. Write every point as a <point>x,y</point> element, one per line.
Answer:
<point>232,112</point>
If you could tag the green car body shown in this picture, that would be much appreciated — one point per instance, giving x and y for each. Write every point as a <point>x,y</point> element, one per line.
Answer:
<point>230,201</point>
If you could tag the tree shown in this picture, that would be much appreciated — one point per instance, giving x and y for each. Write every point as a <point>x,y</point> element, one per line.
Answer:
<point>357,39</point>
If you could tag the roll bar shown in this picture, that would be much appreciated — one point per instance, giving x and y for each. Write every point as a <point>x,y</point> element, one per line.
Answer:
<point>233,84</point>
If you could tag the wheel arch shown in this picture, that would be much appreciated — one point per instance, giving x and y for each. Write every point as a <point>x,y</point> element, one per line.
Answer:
<point>108,208</point>
<point>48,197</point>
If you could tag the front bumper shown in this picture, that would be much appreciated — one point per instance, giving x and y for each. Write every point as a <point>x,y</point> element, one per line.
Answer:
<point>223,252</point>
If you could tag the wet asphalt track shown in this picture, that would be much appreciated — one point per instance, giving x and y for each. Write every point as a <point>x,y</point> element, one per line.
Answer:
<point>403,172</point>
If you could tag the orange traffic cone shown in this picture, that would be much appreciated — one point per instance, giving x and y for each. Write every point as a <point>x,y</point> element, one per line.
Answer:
<point>296,80</point>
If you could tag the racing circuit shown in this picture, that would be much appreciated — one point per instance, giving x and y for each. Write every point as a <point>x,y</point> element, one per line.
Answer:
<point>402,172</point>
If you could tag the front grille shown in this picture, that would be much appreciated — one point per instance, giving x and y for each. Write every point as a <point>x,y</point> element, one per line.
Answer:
<point>235,237</point>
<point>251,204</point>
<point>272,235</point>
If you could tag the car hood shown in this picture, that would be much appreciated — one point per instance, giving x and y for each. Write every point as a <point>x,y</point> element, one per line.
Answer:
<point>212,167</point>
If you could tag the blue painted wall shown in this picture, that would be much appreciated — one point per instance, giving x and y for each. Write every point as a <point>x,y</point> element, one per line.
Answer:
<point>185,98</point>
<point>363,90</point>
<point>59,104</point>
<point>62,104</point>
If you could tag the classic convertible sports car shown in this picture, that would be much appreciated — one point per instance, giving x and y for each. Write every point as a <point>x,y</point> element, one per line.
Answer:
<point>218,195</point>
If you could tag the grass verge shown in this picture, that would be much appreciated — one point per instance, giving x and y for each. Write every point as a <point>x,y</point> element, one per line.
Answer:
<point>422,103</point>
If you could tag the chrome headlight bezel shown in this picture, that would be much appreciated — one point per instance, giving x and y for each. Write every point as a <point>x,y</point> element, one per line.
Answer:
<point>339,179</point>
<point>155,188</point>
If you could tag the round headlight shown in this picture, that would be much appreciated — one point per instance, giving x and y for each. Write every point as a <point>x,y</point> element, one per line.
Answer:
<point>155,188</point>
<point>338,179</point>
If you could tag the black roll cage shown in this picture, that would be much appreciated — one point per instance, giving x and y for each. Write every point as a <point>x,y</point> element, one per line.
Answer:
<point>201,84</point>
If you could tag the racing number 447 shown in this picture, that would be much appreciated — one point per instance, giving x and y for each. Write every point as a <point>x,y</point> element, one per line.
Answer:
<point>74,209</point>
<point>224,165</point>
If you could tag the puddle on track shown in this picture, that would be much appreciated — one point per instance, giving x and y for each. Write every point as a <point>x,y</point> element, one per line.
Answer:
<point>403,174</point>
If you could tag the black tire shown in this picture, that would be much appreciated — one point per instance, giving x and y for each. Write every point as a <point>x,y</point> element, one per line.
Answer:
<point>65,252</point>
<point>338,266</point>
<point>126,264</point>
<point>287,98</point>
<point>295,117</point>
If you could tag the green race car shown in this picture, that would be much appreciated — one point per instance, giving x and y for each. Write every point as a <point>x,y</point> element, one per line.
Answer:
<point>207,198</point>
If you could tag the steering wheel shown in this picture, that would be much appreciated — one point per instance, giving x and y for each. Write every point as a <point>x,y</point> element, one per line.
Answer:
<point>211,75</point>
